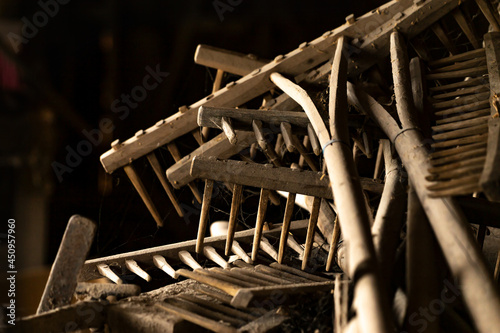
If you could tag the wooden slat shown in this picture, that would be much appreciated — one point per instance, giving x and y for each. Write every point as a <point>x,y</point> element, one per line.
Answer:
<point>490,179</point>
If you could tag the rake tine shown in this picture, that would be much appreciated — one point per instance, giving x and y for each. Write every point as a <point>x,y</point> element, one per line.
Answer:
<point>261,213</point>
<point>155,164</point>
<point>134,268</point>
<point>290,202</point>
<point>212,254</point>
<point>266,246</point>
<point>205,207</point>
<point>238,250</point>
<point>229,130</point>
<point>188,259</point>
<point>105,271</point>
<point>172,148</point>
<point>316,147</point>
<point>286,132</point>
<point>313,220</point>
<point>139,186</point>
<point>235,207</point>
<point>292,243</point>
<point>264,145</point>
<point>333,244</point>
<point>162,264</point>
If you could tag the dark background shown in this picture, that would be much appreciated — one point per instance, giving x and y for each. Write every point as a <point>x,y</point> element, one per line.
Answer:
<point>84,58</point>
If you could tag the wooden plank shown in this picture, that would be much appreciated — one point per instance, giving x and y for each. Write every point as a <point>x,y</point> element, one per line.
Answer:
<point>73,251</point>
<point>248,87</point>
<point>245,296</point>
<point>463,73</point>
<point>228,61</point>
<point>459,57</point>
<point>490,178</point>
<point>211,117</point>
<point>269,177</point>
<point>170,251</point>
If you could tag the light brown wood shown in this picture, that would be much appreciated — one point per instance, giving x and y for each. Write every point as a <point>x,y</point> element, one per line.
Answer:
<point>202,321</point>
<point>179,173</point>
<point>464,116</point>
<point>139,187</point>
<point>463,132</point>
<point>447,221</point>
<point>461,124</point>
<point>490,178</point>
<point>458,74</point>
<point>333,245</point>
<point>463,91</point>
<point>481,151</point>
<point>462,100</point>
<point>229,131</point>
<point>459,57</point>
<point>264,145</point>
<point>155,164</point>
<point>212,116</point>
<point>160,262</point>
<point>460,141</point>
<point>287,217</point>
<point>461,84</point>
<point>245,296</point>
<point>233,216</point>
<point>227,61</point>
<point>259,224</point>
<point>313,220</point>
<point>457,150</point>
<point>146,256</point>
<point>371,307</point>
<point>386,228</point>
<point>137,270</point>
<point>205,207</point>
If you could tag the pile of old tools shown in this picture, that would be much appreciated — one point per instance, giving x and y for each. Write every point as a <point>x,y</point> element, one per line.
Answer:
<point>309,123</point>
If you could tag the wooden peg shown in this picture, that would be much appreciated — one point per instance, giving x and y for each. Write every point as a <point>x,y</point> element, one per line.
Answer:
<point>205,207</point>
<point>266,246</point>
<point>172,148</point>
<point>228,130</point>
<point>316,147</point>
<point>286,132</point>
<point>261,213</point>
<point>290,202</point>
<point>188,259</point>
<point>105,271</point>
<point>238,250</point>
<point>294,245</point>
<point>235,207</point>
<point>162,264</point>
<point>139,186</point>
<point>212,254</point>
<point>264,145</point>
<point>333,244</point>
<point>155,164</point>
<point>134,268</point>
<point>313,220</point>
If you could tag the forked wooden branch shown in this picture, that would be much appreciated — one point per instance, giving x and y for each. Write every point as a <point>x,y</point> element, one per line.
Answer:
<point>371,306</point>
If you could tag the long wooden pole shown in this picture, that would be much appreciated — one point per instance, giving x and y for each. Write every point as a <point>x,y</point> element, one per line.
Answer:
<point>371,306</point>
<point>448,222</point>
